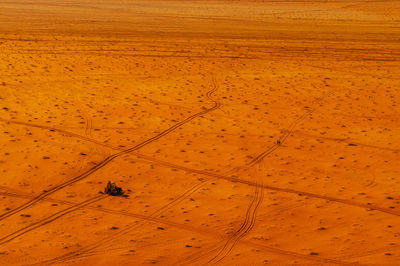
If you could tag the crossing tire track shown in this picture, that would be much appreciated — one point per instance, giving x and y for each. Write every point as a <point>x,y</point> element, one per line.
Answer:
<point>108,159</point>
<point>8,238</point>
<point>251,213</point>
<point>174,224</point>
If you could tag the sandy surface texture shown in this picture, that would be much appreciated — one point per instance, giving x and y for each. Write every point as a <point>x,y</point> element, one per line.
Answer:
<point>242,132</point>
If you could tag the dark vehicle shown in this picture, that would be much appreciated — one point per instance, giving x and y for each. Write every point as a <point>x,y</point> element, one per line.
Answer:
<point>113,190</point>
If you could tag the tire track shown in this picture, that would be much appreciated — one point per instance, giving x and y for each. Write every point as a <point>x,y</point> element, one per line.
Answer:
<point>105,210</point>
<point>189,192</point>
<point>246,227</point>
<point>88,121</point>
<point>323,261</point>
<point>171,204</point>
<point>62,131</point>
<point>48,219</point>
<point>310,258</point>
<point>274,188</point>
<point>86,116</point>
<point>260,157</point>
<point>90,248</point>
<point>151,218</point>
<point>258,196</point>
<point>110,158</point>
<point>222,176</point>
<point>371,182</point>
<point>84,251</point>
<point>174,224</point>
<point>288,131</point>
<point>226,246</point>
<point>251,212</point>
<point>365,253</point>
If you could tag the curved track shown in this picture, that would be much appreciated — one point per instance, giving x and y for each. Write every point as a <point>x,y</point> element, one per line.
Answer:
<point>186,227</point>
<point>108,159</point>
<point>246,226</point>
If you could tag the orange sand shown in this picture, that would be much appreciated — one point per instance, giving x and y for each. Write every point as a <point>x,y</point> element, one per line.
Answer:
<point>181,103</point>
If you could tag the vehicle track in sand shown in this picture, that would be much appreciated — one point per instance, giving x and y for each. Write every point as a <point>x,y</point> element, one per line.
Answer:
<point>26,229</point>
<point>18,194</point>
<point>251,213</point>
<point>88,126</point>
<point>86,117</point>
<point>62,131</point>
<point>364,253</point>
<point>93,246</point>
<point>223,248</point>
<point>186,227</point>
<point>116,148</point>
<point>245,228</point>
<point>221,176</point>
<point>192,190</point>
<point>257,159</point>
<point>110,158</point>
<point>84,251</point>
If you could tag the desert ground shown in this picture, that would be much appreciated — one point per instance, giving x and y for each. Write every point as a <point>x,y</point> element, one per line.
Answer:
<point>242,132</point>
